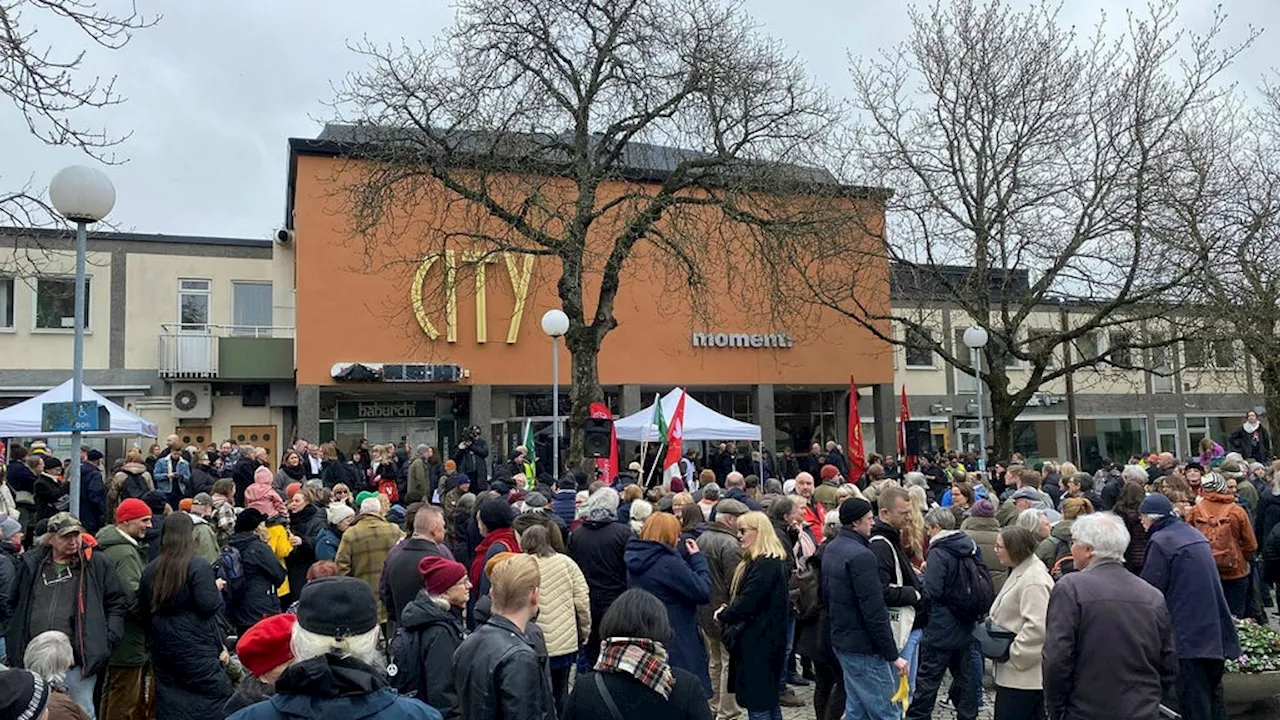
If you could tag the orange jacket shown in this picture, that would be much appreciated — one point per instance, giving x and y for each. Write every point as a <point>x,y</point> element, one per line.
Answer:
<point>1216,505</point>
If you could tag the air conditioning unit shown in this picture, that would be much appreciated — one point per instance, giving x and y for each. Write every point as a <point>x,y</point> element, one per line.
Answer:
<point>192,400</point>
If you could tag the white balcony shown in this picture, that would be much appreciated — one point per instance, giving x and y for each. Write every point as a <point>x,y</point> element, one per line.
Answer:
<point>201,352</point>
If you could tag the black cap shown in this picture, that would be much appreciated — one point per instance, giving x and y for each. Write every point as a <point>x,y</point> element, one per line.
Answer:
<point>249,519</point>
<point>337,607</point>
<point>23,695</point>
<point>853,510</point>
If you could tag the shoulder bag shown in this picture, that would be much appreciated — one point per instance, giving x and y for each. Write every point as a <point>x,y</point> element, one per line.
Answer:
<point>900,618</point>
<point>994,641</point>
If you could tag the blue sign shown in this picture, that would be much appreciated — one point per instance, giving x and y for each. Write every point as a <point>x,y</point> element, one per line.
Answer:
<point>89,416</point>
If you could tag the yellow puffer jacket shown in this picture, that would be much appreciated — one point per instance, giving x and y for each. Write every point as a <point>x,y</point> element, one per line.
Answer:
<point>564,605</point>
<point>278,540</point>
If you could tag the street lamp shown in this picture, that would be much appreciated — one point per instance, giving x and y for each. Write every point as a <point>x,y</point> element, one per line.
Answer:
<point>976,338</point>
<point>555,323</point>
<point>82,195</point>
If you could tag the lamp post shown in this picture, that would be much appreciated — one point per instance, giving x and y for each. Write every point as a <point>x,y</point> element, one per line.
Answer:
<point>555,324</point>
<point>82,195</point>
<point>975,338</point>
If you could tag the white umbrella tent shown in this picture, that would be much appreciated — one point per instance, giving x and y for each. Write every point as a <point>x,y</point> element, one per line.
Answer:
<point>700,423</point>
<point>23,419</point>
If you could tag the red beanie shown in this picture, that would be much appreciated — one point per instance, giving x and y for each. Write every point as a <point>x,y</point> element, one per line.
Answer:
<point>265,646</point>
<point>829,473</point>
<point>439,574</point>
<point>131,509</point>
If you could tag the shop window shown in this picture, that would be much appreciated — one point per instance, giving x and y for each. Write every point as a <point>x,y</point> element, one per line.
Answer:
<point>55,307</point>
<point>250,307</point>
<point>918,348</point>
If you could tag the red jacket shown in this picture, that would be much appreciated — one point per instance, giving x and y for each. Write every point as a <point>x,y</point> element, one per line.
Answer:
<point>815,516</point>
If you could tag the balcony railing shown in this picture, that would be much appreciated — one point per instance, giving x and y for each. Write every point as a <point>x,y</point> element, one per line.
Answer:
<point>197,352</point>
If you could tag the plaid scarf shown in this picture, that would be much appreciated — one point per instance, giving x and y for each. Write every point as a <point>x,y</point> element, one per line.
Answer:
<point>641,658</point>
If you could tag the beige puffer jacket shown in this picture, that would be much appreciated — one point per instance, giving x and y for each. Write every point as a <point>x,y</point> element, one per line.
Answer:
<point>564,607</point>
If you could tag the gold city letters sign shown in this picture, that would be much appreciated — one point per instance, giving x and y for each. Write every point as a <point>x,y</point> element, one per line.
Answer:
<point>519,269</point>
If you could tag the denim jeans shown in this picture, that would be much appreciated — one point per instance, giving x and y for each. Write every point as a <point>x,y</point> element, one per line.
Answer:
<point>81,690</point>
<point>869,685</point>
<point>911,653</point>
<point>786,659</point>
<point>774,714</point>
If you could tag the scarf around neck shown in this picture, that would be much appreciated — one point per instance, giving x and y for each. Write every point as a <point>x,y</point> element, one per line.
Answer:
<point>641,658</point>
<point>506,536</point>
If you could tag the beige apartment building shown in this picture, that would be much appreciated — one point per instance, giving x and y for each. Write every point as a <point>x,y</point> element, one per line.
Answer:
<point>179,329</point>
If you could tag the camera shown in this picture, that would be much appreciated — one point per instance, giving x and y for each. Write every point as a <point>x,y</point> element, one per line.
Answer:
<point>470,434</point>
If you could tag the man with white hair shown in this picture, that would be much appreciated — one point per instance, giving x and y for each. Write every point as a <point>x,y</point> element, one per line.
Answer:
<point>418,486</point>
<point>335,654</point>
<point>1105,611</point>
<point>364,547</point>
<point>735,487</point>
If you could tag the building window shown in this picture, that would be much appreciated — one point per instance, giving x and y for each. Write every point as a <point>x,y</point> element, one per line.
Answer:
<point>1121,350</point>
<point>1215,428</point>
<point>1224,353</point>
<point>802,418</point>
<point>1087,346</point>
<point>1193,353</point>
<point>193,304</point>
<point>918,347</point>
<point>56,303</point>
<point>6,302</point>
<point>250,307</point>
<point>1042,342</point>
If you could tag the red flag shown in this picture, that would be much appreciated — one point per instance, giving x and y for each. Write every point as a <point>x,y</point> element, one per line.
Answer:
<point>608,467</point>
<point>857,453</point>
<point>904,417</point>
<point>675,435</point>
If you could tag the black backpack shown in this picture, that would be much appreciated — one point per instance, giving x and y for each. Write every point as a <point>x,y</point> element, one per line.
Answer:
<point>973,590</point>
<point>134,486</point>
<point>403,669</point>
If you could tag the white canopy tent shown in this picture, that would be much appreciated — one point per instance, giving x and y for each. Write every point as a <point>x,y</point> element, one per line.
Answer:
<point>23,419</point>
<point>700,423</point>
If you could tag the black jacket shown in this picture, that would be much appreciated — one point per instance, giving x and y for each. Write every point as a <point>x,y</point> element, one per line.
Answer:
<point>306,524</point>
<point>99,621</point>
<point>47,492</point>
<point>837,458</point>
<point>635,700</point>
<point>760,609</point>
<point>202,480</point>
<point>599,548</point>
<point>498,675</point>
<point>190,680</point>
<point>1267,515</point>
<point>242,474</point>
<point>333,688</point>
<point>401,572</point>
<point>1253,446</point>
<point>263,573</point>
<point>910,594</point>
<point>93,497</point>
<point>851,588</point>
<point>471,462</point>
<point>946,630</point>
<point>19,477</point>
<point>422,655</point>
<point>8,583</point>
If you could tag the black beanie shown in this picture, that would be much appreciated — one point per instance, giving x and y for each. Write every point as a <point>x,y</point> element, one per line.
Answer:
<point>23,695</point>
<point>496,514</point>
<point>853,510</point>
<point>337,607</point>
<point>249,519</point>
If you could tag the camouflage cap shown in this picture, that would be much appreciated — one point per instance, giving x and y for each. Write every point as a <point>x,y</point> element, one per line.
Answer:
<point>64,523</point>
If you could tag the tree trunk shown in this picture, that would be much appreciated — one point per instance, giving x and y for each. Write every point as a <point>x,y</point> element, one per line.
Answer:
<point>584,353</point>
<point>1271,393</point>
<point>1002,419</point>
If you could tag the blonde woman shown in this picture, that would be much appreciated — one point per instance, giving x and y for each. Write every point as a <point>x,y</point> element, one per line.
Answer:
<point>757,616</point>
<point>564,608</point>
<point>913,534</point>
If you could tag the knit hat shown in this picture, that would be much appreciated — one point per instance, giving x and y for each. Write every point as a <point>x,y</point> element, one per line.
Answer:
<point>677,485</point>
<point>493,562</point>
<point>9,527</point>
<point>292,489</point>
<point>23,695</point>
<point>1155,504</point>
<point>1213,482</point>
<point>364,496</point>
<point>535,500</point>
<point>395,514</point>
<point>184,504</point>
<point>496,514</point>
<point>337,607</point>
<point>983,509</point>
<point>439,574</point>
<point>265,646</point>
<point>829,473</point>
<point>131,509</point>
<point>337,512</point>
<point>249,519</point>
<point>853,510</point>
<point>263,475</point>
<point>450,465</point>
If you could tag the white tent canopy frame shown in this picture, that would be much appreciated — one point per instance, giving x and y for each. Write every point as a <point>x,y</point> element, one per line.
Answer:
<point>700,423</point>
<point>23,419</point>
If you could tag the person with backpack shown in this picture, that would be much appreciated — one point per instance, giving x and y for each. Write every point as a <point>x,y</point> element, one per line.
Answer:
<point>131,481</point>
<point>1021,608</point>
<point>1230,533</point>
<point>429,633</point>
<point>1052,549</point>
<point>251,571</point>
<point>959,590</point>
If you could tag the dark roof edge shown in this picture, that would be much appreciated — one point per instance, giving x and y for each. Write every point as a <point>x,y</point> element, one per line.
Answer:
<point>333,148</point>
<point>68,234</point>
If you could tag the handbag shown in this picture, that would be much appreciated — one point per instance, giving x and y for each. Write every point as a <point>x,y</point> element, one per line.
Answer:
<point>901,619</point>
<point>994,641</point>
<point>731,636</point>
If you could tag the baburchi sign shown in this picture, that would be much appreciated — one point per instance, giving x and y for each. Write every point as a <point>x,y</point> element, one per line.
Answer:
<point>742,340</point>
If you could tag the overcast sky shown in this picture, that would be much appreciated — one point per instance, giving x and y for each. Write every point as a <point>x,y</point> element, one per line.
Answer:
<point>216,88</point>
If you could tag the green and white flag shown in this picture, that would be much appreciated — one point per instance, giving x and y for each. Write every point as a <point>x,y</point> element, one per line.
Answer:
<point>659,421</point>
<point>530,455</point>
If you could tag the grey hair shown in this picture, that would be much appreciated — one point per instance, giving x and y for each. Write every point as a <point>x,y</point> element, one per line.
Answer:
<point>1134,473</point>
<point>422,448</point>
<point>711,491</point>
<point>1029,519</point>
<point>940,517</point>
<point>1104,532</point>
<point>605,499</point>
<point>831,523</point>
<point>773,486</point>
<point>49,655</point>
<point>640,511</point>
<point>307,645</point>
<point>915,478</point>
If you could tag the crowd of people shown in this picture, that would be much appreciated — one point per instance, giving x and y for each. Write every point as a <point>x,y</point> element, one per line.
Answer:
<point>387,583</point>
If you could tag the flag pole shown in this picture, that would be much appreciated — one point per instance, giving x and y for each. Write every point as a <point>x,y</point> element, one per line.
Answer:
<point>653,467</point>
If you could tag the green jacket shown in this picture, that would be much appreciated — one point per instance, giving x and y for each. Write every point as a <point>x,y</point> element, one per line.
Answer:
<point>419,483</point>
<point>206,540</point>
<point>129,558</point>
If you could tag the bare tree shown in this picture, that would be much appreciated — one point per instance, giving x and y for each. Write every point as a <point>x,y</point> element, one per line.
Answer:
<point>1014,145</point>
<point>49,86</point>
<point>606,135</point>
